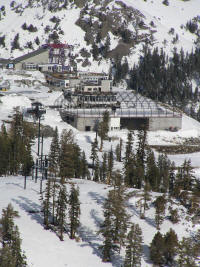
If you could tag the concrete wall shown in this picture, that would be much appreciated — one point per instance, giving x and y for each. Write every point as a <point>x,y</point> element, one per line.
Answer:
<point>106,85</point>
<point>164,123</point>
<point>41,58</point>
<point>114,124</point>
<point>73,82</point>
<point>89,123</point>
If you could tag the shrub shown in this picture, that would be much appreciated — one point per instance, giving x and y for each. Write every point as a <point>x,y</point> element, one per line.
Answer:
<point>192,26</point>
<point>15,43</point>
<point>166,2</point>
<point>2,41</point>
<point>24,26</point>
<point>31,28</point>
<point>174,216</point>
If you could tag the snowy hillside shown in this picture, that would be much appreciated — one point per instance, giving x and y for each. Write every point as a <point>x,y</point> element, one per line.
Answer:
<point>159,25</point>
<point>43,247</point>
<point>116,28</point>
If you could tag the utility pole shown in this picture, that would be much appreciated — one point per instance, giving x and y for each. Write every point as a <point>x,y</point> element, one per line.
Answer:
<point>37,111</point>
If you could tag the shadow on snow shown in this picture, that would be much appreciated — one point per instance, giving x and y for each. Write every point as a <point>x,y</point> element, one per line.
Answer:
<point>31,208</point>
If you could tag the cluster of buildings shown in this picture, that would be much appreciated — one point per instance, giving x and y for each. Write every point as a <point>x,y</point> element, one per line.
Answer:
<point>49,57</point>
<point>87,95</point>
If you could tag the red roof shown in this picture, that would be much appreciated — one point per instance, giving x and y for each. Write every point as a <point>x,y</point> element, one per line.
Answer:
<point>58,45</point>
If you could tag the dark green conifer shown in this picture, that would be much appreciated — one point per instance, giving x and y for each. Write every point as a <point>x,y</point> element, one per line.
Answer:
<point>118,151</point>
<point>157,248</point>
<point>160,203</point>
<point>133,247</point>
<point>110,167</point>
<point>85,174</point>
<point>47,205</point>
<point>11,254</point>
<point>74,211</point>
<point>94,149</point>
<point>104,168</point>
<point>186,254</point>
<point>171,247</point>
<point>61,206</point>
<point>66,155</point>
<point>96,171</point>
<point>129,162</point>
<point>152,172</point>
<point>103,128</point>
<point>54,154</point>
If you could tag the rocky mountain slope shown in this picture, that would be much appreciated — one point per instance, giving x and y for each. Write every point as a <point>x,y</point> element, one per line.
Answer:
<point>99,31</point>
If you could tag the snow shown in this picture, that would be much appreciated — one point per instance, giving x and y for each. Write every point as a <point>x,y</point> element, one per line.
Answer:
<point>42,247</point>
<point>180,13</point>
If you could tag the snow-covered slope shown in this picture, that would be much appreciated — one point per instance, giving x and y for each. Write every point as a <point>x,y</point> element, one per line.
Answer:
<point>158,20</point>
<point>43,247</point>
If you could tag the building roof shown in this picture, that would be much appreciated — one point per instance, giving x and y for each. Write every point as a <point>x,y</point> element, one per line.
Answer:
<point>21,58</point>
<point>29,55</point>
<point>4,61</point>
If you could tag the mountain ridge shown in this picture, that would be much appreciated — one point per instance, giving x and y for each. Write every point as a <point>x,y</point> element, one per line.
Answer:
<point>98,30</point>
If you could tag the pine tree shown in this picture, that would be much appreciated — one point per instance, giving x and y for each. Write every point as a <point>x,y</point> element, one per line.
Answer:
<point>84,167</point>
<point>133,247</point>
<point>94,149</point>
<point>171,247</point>
<point>186,254</point>
<point>103,128</point>
<point>26,161</point>
<point>160,203</point>
<point>54,154</point>
<point>139,175</point>
<point>118,151</point>
<point>187,175</point>
<point>16,133</point>
<point>96,171</point>
<point>152,172</point>
<point>120,216</point>
<point>129,161</point>
<point>6,257</point>
<point>4,151</point>
<point>104,168</point>
<point>77,160</point>
<point>107,230</point>
<point>66,160</point>
<point>62,203</point>
<point>15,43</point>
<point>7,224</point>
<point>115,222</point>
<point>143,202</point>
<point>54,194</point>
<point>171,178</point>
<point>11,254</point>
<point>129,147</point>
<point>110,167</point>
<point>142,143</point>
<point>163,164</point>
<point>17,254</point>
<point>157,248</point>
<point>47,205</point>
<point>74,211</point>
<point>117,179</point>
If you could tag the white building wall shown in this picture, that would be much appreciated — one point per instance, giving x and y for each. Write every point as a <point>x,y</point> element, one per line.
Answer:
<point>114,124</point>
